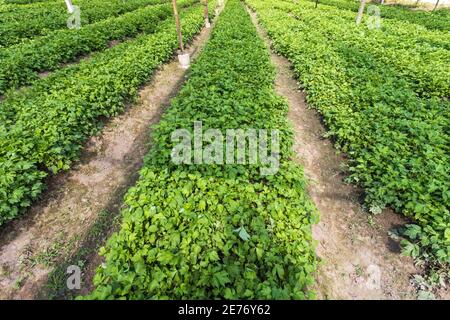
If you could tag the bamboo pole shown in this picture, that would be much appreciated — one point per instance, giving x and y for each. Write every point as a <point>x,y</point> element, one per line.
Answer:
<point>177,22</point>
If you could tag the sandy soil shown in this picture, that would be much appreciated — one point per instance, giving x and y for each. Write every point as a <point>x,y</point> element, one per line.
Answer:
<point>54,227</point>
<point>359,260</point>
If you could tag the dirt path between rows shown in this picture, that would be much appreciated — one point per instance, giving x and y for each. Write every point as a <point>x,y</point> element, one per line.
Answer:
<point>359,260</point>
<point>55,227</point>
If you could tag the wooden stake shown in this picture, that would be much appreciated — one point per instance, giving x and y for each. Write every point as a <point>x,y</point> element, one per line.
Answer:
<point>437,3</point>
<point>206,11</point>
<point>177,22</point>
<point>360,12</point>
<point>69,5</point>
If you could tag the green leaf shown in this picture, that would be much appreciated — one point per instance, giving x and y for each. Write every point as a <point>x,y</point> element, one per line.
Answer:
<point>242,233</point>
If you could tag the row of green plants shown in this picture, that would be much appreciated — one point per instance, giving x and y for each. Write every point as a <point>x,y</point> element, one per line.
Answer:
<point>397,143</point>
<point>27,1</point>
<point>43,127</point>
<point>23,23</point>
<point>216,231</point>
<point>434,20</point>
<point>415,33</point>
<point>20,13</point>
<point>21,64</point>
<point>425,66</point>
<point>24,7</point>
<point>396,27</point>
<point>3,6</point>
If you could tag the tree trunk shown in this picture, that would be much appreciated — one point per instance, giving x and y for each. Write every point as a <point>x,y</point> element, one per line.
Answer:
<point>417,3</point>
<point>317,3</point>
<point>437,3</point>
<point>360,12</point>
<point>177,22</point>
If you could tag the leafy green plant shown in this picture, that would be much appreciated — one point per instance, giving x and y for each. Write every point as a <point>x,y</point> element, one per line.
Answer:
<point>435,20</point>
<point>422,57</point>
<point>216,231</point>
<point>397,141</point>
<point>21,64</point>
<point>19,23</point>
<point>26,1</point>
<point>43,128</point>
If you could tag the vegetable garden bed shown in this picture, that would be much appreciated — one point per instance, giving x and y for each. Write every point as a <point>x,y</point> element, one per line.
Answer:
<point>25,22</point>
<point>21,64</point>
<point>216,231</point>
<point>43,128</point>
<point>397,142</point>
